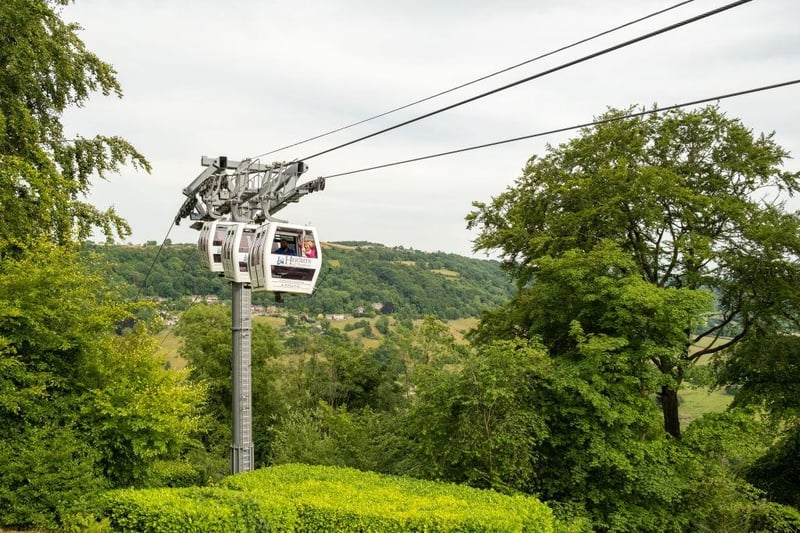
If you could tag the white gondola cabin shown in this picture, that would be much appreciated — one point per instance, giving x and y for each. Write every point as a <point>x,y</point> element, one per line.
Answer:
<point>236,250</point>
<point>210,244</point>
<point>285,258</point>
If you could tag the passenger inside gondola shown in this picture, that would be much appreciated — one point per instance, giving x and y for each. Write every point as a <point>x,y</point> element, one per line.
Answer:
<point>284,248</point>
<point>309,250</point>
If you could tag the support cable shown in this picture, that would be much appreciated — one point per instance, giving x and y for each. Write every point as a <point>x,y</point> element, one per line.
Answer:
<point>482,78</point>
<point>538,75</point>
<point>575,127</point>
<point>153,264</point>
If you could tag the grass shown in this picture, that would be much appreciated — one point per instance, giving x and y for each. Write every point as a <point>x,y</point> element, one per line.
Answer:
<point>358,334</point>
<point>445,272</point>
<point>169,346</point>
<point>460,326</point>
<point>696,401</point>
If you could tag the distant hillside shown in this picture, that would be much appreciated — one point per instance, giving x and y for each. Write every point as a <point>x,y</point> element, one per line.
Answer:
<point>355,276</point>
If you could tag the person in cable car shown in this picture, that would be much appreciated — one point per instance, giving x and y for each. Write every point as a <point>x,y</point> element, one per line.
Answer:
<point>284,249</point>
<point>309,250</point>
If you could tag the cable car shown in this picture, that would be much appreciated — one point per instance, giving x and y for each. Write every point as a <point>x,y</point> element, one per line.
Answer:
<point>210,244</point>
<point>285,258</point>
<point>236,250</point>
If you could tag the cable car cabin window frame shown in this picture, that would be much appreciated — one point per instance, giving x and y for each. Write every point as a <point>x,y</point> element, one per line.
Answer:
<point>236,251</point>
<point>275,272</point>
<point>209,247</point>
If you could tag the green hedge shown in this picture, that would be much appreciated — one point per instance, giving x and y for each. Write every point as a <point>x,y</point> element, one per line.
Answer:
<point>190,510</point>
<point>301,498</point>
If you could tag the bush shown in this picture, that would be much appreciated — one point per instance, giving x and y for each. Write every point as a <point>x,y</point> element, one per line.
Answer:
<point>314,498</point>
<point>45,474</point>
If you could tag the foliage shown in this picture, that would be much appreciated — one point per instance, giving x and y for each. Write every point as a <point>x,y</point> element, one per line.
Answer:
<point>344,404</point>
<point>327,366</point>
<point>69,428</point>
<point>196,509</point>
<point>81,406</point>
<point>766,373</point>
<point>682,194</point>
<point>766,370</point>
<point>475,424</point>
<point>777,472</point>
<point>511,418</point>
<point>172,271</point>
<point>206,345</point>
<point>136,411</point>
<point>47,470</point>
<point>326,436</point>
<point>43,177</point>
<point>734,439</point>
<point>306,498</point>
<point>416,504</point>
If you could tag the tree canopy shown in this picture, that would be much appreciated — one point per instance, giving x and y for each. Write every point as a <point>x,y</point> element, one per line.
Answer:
<point>44,176</point>
<point>85,403</point>
<point>694,199</point>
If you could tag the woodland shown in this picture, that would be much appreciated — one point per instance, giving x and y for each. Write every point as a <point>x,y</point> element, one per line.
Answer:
<point>637,258</point>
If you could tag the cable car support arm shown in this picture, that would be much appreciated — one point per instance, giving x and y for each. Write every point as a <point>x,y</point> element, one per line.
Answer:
<point>245,191</point>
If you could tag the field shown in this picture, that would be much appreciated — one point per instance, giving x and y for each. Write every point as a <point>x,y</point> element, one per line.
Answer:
<point>169,345</point>
<point>695,402</point>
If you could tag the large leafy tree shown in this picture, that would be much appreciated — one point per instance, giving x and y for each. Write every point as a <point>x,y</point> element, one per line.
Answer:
<point>83,404</point>
<point>696,201</point>
<point>511,418</point>
<point>81,407</point>
<point>45,68</point>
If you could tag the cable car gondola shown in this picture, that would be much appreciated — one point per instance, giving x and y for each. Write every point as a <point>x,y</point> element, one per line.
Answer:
<point>236,250</point>
<point>279,262</point>
<point>210,244</point>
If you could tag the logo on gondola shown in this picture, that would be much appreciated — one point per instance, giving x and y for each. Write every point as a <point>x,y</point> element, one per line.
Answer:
<point>291,260</point>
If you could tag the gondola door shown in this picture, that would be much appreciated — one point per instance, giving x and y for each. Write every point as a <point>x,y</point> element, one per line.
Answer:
<point>209,245</point>
<point>236,251</point>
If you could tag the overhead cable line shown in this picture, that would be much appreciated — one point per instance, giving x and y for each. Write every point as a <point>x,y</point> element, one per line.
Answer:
<point>141,287</point>
<point>482,78</point>
<point>569,128</point>
<point>538,75</point>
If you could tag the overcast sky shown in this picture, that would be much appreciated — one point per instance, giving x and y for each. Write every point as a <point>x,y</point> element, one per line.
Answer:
<point>242,78</point>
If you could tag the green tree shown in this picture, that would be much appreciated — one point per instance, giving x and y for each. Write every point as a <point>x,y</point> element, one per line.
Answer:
<point>329,367</point>
<point>575,432</point>
<point>205,331</point>
<point>693,198</point>
<point>382,325</point>
<point>82,408</point>
<point>43,176</point>
<point>765,370</point>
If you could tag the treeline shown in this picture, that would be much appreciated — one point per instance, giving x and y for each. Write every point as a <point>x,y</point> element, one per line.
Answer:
<point>408,283</point>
